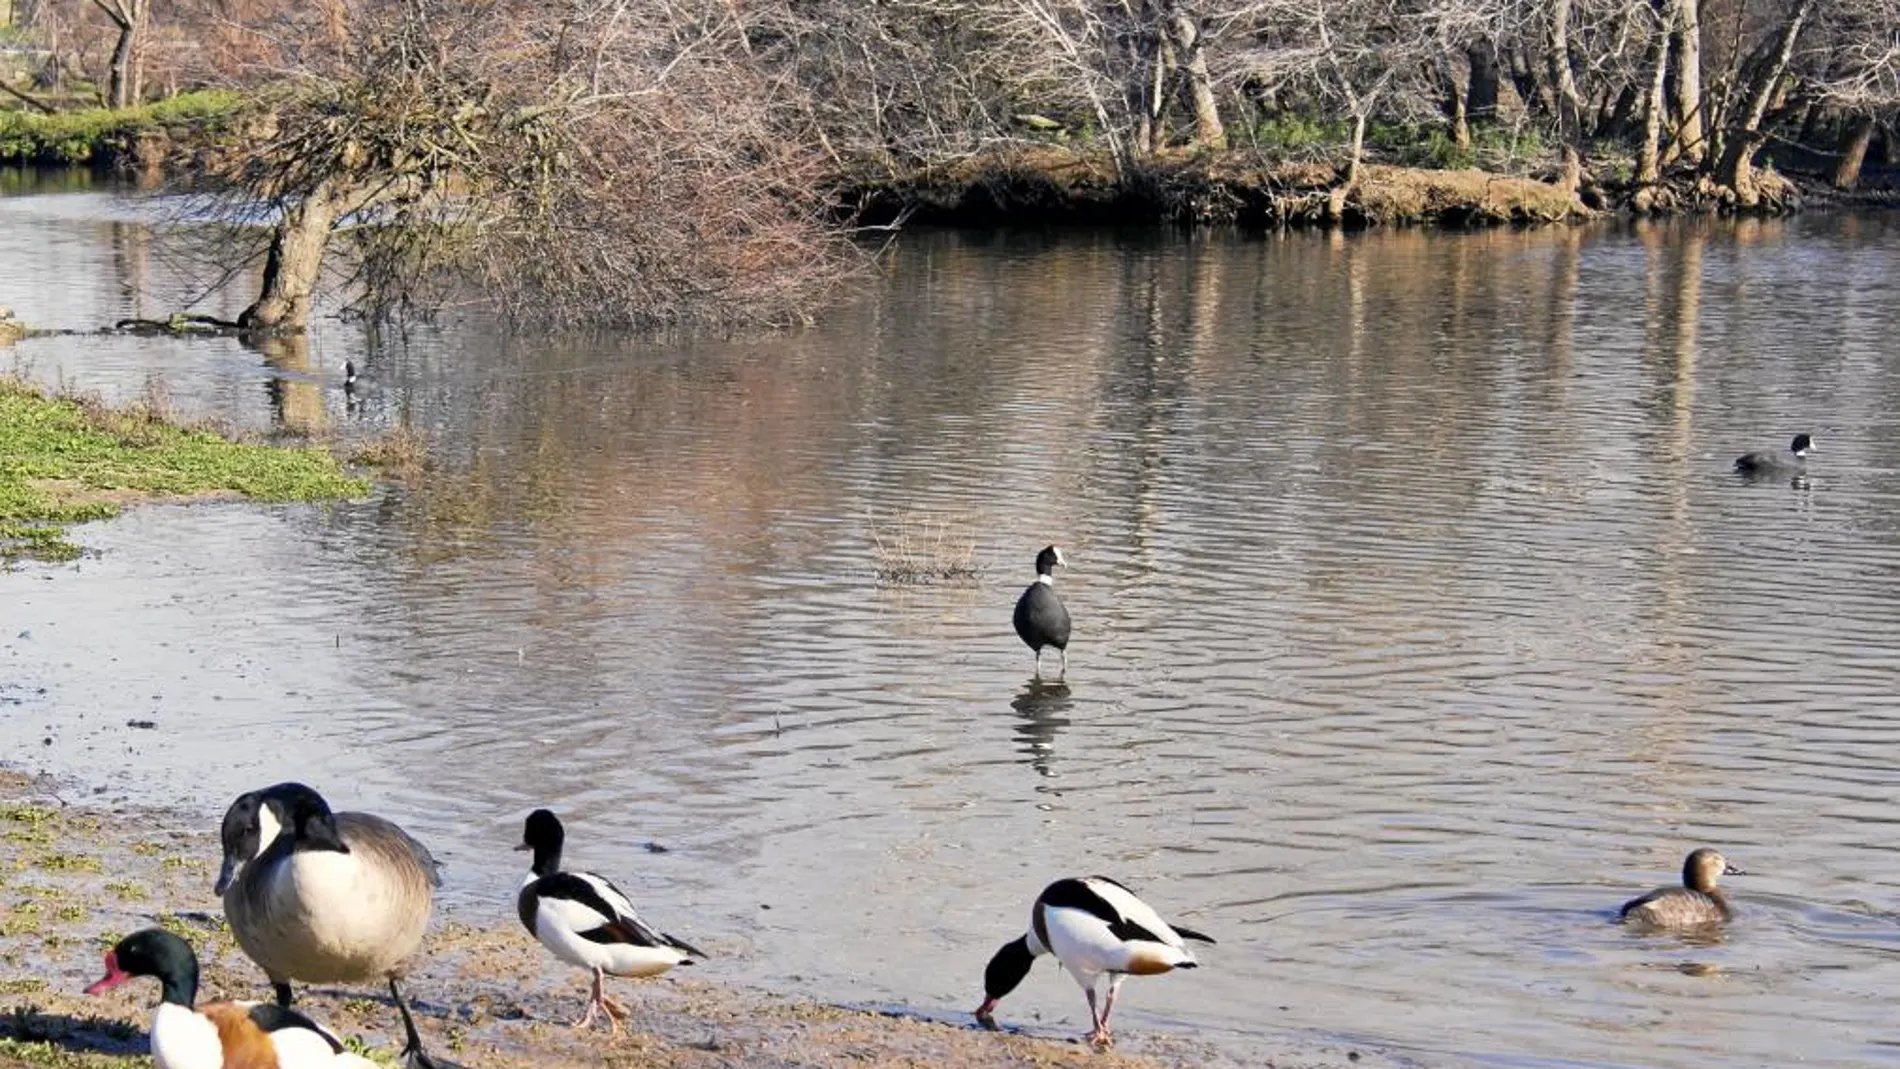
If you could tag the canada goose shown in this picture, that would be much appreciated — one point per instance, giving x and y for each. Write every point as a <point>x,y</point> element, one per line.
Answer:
<point>587,922</point>
<point>1770,464</point>
<point>1697,903</point>
<point>326,897</point>
<point>218,1035</point>
<point>1092,925</point>
<point>1040,617</point>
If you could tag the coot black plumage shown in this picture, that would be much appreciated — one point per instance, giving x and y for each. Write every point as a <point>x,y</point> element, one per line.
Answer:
<point>1041,620</point>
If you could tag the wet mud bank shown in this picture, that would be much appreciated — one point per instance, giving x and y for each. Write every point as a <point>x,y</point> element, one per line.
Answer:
<point>80,872</point>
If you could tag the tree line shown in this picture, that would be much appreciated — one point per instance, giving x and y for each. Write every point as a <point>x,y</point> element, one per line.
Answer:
<point>516,138</point>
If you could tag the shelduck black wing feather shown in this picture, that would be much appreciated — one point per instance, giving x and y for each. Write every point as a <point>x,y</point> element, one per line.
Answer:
<point>524,907</point>
<point>623,908</point>
<point>1189,933</point>
<point>1077,894</point>
<point>270,1017</point>
<point>619,923</point>
<point>571,888</point>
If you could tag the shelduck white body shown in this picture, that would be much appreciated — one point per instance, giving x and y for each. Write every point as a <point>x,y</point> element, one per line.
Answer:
<point>1094,926</point>
<point>588,922</point>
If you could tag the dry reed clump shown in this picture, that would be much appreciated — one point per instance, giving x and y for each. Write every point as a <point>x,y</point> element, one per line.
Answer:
<point>400,452</point>
<point>915,548</point>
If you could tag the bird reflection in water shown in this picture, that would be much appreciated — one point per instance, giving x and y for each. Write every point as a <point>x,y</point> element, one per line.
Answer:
<point>1041,710</point>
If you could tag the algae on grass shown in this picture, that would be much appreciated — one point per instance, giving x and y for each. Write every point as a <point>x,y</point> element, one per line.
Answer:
<point>66,460</point>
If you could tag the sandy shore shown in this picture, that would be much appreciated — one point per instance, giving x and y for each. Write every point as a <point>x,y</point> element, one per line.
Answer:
<point>77,876</point>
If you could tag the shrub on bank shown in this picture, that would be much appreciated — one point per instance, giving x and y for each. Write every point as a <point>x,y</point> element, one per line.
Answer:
<point>92,135</point>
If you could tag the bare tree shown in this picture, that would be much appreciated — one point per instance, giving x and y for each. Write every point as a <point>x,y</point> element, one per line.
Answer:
<point>129,16</point>
<point>566,165</point>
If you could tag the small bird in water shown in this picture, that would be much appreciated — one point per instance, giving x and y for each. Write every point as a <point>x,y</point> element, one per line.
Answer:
<point>1041,620</point>
<point>349,376</point>
<point>587,922</point>
<point>1770,464</point>
<point>217,1035</point>
<point>1697,903</point>
<point>1093,926</point>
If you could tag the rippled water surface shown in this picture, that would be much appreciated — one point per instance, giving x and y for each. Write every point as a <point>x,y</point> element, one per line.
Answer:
<point>1418,620</point>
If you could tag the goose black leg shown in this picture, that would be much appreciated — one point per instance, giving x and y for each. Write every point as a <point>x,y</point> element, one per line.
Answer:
<point>413,1055</point>
<point>283,994</point>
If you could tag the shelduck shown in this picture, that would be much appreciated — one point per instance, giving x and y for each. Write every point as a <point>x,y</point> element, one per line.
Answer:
<point>1094,926</point>
<point>320,897</point>
<point>218,1035</point>
<point>587,922</point>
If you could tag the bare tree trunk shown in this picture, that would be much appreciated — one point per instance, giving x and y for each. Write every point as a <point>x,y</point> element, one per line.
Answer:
<point>1690,143</point>
<point>1481,96</point>
<point>1336,198</point>
<point>1564,86</point>
<point>1649,156</point>
<point>1737,170</point>
<point>129,17</point>
<point>1460,121</point>
<point>295,262</point>
<point>1854,152</point>
<point>1192,57</point>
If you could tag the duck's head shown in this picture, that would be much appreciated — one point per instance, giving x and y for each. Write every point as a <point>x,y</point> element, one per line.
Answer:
<point>1006,970</point>
<point>152,952</point>
<point>1049,560</point>
<point>1704,867</point>
<point>543,834</point>
<point>1801,446</point>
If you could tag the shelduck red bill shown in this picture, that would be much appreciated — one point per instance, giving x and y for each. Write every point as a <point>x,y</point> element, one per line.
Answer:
<point>113,978</point>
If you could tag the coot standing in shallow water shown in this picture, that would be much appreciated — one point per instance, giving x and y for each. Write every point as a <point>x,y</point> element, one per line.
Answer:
<point>1770,464</point>
<point>1040,618</point>
<point>1695,904</point>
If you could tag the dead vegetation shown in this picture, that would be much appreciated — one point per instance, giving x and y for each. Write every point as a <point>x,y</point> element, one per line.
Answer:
<point>914,548</point>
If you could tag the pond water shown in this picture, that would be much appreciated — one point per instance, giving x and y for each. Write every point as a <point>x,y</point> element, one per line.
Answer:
<point>1419,620</point>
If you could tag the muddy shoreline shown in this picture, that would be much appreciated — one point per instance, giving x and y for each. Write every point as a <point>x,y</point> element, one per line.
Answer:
<point>79,874</point>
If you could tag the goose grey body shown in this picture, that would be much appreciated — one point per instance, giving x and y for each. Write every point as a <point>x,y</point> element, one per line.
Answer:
<point>320,897</point>
<point>1697,903</point>
<point>321,916</point>
<point>1040,618</point>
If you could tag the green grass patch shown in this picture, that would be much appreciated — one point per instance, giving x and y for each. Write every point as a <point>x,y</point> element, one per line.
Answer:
<point>67,460</point>
<point>80,136</point>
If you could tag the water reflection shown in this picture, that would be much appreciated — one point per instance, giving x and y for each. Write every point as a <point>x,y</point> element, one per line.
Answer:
<point>1042,709</point>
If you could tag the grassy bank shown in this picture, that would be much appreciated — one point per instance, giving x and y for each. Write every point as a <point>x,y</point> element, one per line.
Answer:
<point>78,876</point>
<point>68,459</point>
<point>110,135</point>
